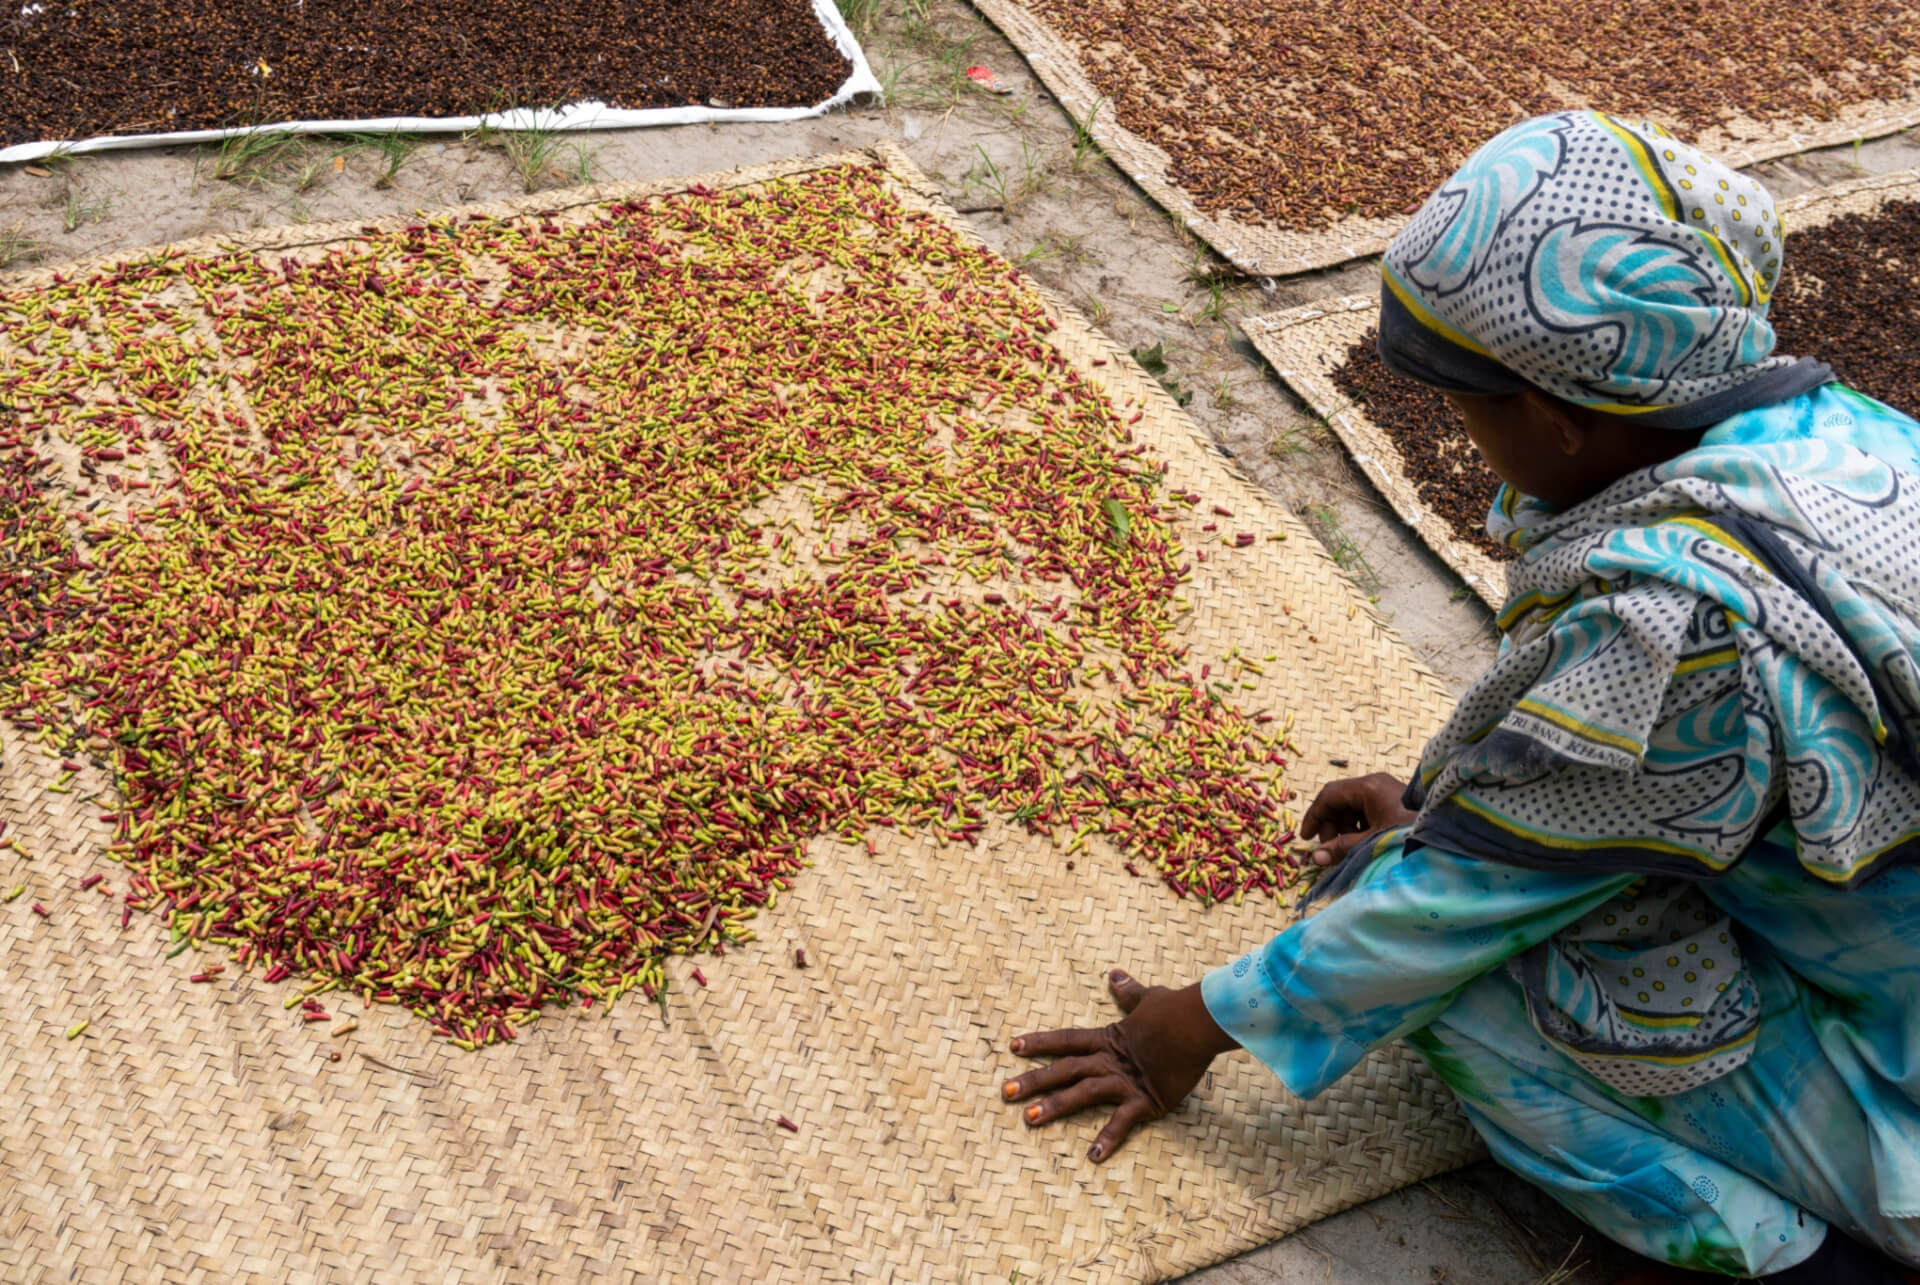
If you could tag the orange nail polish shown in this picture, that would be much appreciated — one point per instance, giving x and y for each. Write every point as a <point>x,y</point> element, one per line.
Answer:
<point>1033,1114</point>
<point>1011,1089</point>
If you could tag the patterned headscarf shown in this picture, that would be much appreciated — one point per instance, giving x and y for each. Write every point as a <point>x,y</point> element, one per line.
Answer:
<point>1606,263</point>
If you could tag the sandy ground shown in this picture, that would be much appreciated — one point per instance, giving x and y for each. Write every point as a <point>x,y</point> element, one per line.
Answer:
<point>1013,166</point>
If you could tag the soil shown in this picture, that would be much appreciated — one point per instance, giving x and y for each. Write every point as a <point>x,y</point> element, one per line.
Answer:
<point>158,66</point>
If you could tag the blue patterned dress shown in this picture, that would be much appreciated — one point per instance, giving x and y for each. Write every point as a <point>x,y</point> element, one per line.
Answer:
<point>1517,984</point>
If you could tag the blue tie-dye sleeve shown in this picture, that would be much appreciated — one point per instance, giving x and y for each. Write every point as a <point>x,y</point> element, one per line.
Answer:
<point>1387,957</point>
<point>1830,413</point>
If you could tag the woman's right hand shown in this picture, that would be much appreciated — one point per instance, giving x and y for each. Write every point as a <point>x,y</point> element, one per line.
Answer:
<point>1350,811</point>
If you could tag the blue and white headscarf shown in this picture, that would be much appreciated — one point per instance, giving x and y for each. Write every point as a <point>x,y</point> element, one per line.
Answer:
<point>1606,263</point>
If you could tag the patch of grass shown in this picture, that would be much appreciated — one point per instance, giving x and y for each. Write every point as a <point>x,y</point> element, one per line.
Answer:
<point>253,158</point>
<point>1073,249</point>
<point>950,57</point>
<point>17,249</point>
<point>76,206</point>
<point>76,211</point>
<point>1064,249</point>
<point>535,154</point>
<point>1085,149</point>
<point>1098,311</point>
<point>1222,392</point>
<point>1033,168</point>
<point>538,155</point>
<point>1298,439</point>
<point>1216,306</point>
<point>1154,361</point>
<point>584,166</point>
<point>860,15</point>
<point>1201,268</point>
<point>391,152</point>
<point>1347,555</point>
<point>953,58</point>
<point>888,72</point>
<point>991,178</point>
<point>306,171</point>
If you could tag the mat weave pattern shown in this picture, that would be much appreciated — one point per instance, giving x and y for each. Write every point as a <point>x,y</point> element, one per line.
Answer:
<point>199,1132</point>
<point>1274,251</point>
<point>1305,345</point>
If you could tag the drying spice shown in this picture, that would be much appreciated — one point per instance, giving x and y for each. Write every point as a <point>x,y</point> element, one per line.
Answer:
<point>1846,297</point>
<point>487,610</point>
<point>118,67</point>
<point>1298,115</point>
<point>1445,469</point>
<point>1641,58</point>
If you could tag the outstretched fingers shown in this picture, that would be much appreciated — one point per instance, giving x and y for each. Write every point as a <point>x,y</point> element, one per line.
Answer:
<point>1059,1043</point>
<point>1078,1097</point>
<point>1130,1115</point>
<point>1057,1075</point>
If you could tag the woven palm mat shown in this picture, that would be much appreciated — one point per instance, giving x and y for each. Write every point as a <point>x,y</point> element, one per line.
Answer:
<point>1276,250</point>
<point>1305,345</point>
<point>203,1132</point>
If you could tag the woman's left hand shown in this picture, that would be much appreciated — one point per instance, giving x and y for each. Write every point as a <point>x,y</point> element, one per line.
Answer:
<point>1143,1065</point>
<point>1348,812</point>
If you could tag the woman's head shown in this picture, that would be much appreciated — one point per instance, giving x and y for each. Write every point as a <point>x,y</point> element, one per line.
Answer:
<point>1593,294</point>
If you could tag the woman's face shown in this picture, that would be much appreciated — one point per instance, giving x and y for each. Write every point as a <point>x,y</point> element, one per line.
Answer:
<point>1526,447</point>
<point>1558,452</point>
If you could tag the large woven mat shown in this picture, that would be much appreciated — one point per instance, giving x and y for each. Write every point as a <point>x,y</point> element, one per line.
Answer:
<point>201,1133</point>
<point>1279,251</point>
<point>1305,345</point>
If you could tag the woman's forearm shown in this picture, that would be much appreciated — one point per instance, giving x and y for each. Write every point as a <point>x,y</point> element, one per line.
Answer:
<point>1386,957</point>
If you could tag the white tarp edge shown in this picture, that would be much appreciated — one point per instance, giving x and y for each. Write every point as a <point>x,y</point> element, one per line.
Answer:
<point>575,116</point>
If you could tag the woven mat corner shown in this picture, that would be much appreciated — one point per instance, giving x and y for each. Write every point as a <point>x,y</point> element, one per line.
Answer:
<point>1305,345</point>
<point>1261,250</point>
<point>199,1132</point>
